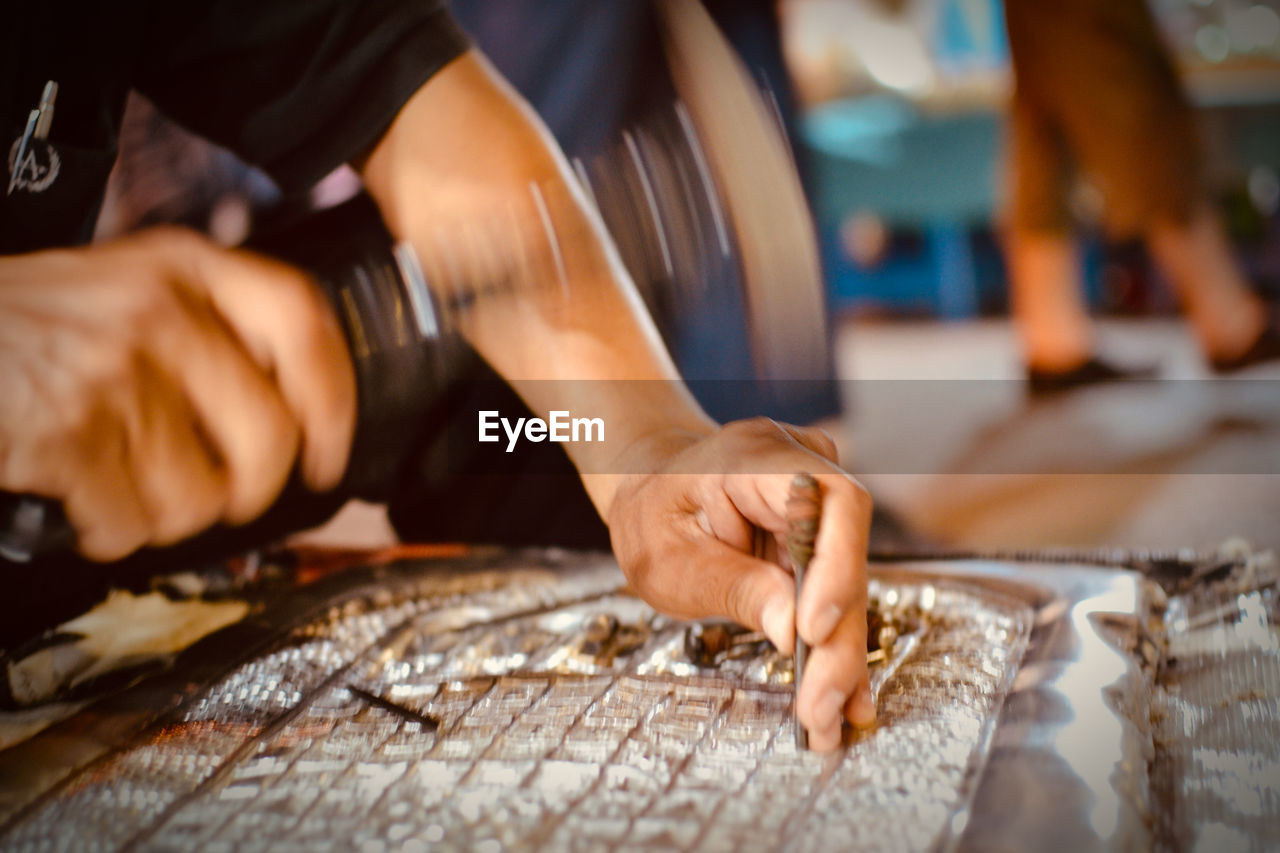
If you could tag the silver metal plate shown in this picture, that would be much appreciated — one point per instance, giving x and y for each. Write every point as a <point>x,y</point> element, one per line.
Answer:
<point>545,740</point>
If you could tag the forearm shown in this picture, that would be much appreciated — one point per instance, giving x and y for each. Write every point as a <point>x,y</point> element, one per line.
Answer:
<point>473,180</point>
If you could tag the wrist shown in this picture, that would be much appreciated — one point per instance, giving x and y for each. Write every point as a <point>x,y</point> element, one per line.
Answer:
<point>645,456</point>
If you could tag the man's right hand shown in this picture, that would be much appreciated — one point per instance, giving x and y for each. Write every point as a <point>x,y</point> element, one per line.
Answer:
<point>160,384</point>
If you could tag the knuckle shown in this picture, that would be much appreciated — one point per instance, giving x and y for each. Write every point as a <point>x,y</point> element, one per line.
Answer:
<point>281,438</point>
<point>749,426</point>
<point>11,470</point>
<point>330,410</point>
<point>752,432</point>
<point>639,571</point>
<point>76,429</point>
<point>105,546</point>
<point>858,495</point>
<point>313,326</point>
<point>257,478</point>
<point>157,301</point>
<point>23,468</point>
<point>111,369</point>
<point>822,441</point>
<point>33,436</point>
<point>861,497</point>
<point>252,495</point>
<point>150,307</point>
<point>274,430</point>
<point>739,600</point>
<point>168,528</point>
<point>103,539</point>
<point>297,293</point>
<point>181,507</point>
<point>194,515</point>
<point>170,237</point>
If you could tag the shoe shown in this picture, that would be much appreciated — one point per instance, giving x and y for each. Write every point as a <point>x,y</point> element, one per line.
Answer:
<point>1094,371</point>
<point>1265,348</point>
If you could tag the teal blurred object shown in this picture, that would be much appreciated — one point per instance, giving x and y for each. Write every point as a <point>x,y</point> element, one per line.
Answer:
<point>969,35</point>
<point>881,154</point>
<point>934,173</point>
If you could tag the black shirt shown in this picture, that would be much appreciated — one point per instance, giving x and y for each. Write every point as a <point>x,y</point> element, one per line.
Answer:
<point>296,87</point>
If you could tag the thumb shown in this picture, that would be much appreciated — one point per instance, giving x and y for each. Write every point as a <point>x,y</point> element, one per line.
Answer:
<point>751,592</point>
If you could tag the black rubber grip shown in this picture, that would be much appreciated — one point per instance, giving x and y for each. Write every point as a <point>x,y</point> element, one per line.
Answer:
<point>32,526</point>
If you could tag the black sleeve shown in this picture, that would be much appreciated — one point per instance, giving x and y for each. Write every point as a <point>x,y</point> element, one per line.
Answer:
<point>297,87</point>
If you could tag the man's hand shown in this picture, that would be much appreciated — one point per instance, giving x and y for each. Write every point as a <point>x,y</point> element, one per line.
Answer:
<point>160,384</point>
<point>684,537</point>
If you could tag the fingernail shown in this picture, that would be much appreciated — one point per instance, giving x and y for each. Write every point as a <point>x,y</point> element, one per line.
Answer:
<point>776,621</point>
<point>827,710</point>
<point>823,623</point>
<point>863,712</point>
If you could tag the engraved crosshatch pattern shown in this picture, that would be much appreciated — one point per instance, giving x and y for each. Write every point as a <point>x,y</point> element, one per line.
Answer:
<point>541,745</point>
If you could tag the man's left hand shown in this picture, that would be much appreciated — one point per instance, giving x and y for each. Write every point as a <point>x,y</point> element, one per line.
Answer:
<point>685,538</point>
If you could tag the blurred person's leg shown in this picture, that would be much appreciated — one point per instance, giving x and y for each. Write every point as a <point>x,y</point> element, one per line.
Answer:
<point>1228,317</point>
<point>1040,251</point>
<point>1101,70</point>
<point>1048,308</point>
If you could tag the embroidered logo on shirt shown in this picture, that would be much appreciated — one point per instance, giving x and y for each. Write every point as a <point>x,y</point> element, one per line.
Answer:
<point>33,167</point>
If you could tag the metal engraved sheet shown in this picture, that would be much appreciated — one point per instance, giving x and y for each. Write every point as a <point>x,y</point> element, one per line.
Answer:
<point>1216,715</point>
<point>548,738</point>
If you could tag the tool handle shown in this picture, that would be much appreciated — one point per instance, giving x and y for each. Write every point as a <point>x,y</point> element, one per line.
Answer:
<point>31,526</point>
<point>804,514</point>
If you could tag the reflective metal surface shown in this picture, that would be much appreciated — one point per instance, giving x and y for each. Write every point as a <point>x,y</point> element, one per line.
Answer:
<point>570,717</point>
<point>1065,769</point>
<point>1138,719</point>
<point>1023,706</point>
<point>1215,714</point>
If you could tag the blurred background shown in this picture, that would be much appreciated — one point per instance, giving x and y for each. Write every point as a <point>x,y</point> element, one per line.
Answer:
<point>904,103</point>
<point>905,128</point>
